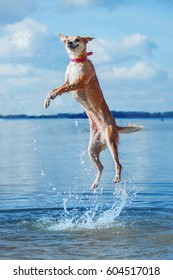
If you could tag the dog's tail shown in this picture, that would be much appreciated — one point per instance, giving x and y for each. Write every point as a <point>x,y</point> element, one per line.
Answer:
<point>130,128</point>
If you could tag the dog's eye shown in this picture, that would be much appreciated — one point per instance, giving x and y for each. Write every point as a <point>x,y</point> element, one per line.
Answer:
<point>77,40</point>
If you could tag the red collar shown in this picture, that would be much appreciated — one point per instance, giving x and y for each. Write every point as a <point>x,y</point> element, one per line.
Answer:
<point>80,59</point>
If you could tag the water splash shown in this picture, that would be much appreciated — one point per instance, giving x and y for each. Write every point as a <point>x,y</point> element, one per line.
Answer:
<point>99,217</point>
<point>80,210</point>
<point>65,204</point>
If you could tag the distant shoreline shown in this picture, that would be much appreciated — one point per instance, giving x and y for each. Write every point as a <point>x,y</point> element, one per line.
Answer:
<point>120,114</point>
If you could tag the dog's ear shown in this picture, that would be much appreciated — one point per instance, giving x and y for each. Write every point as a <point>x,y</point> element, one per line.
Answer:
<point>63,37</point>
<point>87,39</point>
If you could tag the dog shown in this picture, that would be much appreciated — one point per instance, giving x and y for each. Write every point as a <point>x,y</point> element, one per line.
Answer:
<point>81,80</point>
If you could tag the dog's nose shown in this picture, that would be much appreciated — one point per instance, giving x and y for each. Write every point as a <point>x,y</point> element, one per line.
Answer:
<point>69,43</point>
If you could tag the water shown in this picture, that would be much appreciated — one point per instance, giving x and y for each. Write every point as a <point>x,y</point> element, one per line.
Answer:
<point>47,210</point>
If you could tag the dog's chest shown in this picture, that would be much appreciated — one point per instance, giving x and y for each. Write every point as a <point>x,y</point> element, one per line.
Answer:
<point>73,72</point>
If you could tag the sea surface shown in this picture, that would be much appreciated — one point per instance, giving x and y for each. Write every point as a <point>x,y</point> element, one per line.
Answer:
<point>48,211</point>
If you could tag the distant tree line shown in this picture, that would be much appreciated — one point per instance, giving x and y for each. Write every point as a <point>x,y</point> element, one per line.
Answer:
<point>119,114</point>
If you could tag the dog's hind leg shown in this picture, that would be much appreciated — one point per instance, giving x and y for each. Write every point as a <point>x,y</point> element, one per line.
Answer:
<point>94,149</point>
<point>112,142</point>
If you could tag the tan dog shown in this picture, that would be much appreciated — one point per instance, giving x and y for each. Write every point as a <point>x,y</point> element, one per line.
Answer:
<point>82,81</point>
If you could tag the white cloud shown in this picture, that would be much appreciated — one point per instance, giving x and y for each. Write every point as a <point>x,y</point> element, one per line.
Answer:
<point>13,70</point>
<point>23,88</point>
<point>139,71</point>
<point>140,42</point>
<point>26,36</point>
<point>15,10</point>
<point>111,4</point>
<point>128,48</point>
<point>71,4</point>
<point>29,42</point>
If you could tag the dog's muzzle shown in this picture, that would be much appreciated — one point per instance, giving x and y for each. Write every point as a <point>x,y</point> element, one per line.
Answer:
<point>72,45</point>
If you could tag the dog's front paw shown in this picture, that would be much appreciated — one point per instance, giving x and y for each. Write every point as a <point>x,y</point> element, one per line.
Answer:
<point>50,97</point>
<point>46,102</point>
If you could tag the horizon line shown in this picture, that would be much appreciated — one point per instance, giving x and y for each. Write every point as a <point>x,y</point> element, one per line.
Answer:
<point>83,115</point>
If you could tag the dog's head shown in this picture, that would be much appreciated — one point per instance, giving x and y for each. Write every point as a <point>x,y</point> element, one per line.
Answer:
<point>75,45</point>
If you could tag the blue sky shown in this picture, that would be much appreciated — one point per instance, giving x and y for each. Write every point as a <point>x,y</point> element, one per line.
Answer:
<point>132,52</point>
